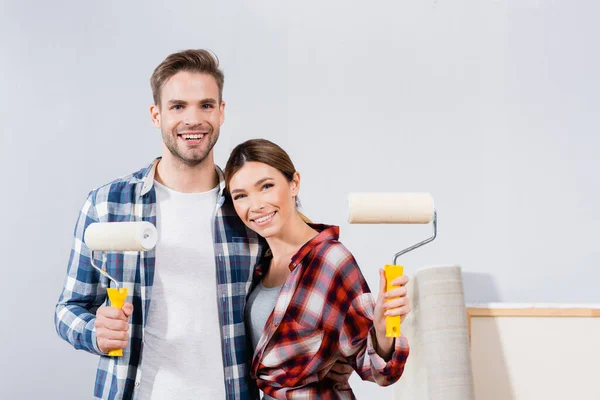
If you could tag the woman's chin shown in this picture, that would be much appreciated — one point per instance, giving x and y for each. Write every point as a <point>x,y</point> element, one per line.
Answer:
<point>268,229</point>
<point>266,232</point>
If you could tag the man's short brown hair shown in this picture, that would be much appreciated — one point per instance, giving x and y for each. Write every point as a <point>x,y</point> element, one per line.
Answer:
<point>202,61</point>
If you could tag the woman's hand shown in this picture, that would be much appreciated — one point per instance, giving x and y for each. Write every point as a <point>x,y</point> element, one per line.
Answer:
<point>398,305</point>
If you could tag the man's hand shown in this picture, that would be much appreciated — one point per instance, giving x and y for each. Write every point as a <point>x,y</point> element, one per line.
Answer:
<point>112,326</point>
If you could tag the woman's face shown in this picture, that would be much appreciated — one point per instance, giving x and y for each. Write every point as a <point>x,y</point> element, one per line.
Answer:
<point>263,198</point>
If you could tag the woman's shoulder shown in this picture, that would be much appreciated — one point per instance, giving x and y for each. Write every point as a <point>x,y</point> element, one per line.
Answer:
<point>333,254</point>
<point>328,252</point>
<point>339,265</point>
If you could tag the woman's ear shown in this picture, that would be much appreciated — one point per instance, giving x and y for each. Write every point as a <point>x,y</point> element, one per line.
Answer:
<point>295,184</point>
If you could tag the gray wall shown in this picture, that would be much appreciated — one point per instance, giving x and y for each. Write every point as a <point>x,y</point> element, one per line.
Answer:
<point>492,106</point>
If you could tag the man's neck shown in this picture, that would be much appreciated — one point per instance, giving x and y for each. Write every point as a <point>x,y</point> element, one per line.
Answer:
<point>183,178</point>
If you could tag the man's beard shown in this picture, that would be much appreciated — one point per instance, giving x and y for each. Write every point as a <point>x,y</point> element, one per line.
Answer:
<point>196,156</point>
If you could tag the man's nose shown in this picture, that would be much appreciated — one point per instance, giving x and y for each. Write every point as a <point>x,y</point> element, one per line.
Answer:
<point>192,117</point>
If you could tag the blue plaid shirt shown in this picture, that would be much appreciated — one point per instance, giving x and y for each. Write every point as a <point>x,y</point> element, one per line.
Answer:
<point>237,252</point>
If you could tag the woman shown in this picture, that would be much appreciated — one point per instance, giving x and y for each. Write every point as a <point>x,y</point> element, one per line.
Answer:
<point>310,305</point>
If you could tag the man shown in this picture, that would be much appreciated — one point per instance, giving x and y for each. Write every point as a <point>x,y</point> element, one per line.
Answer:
<point>187,296</point>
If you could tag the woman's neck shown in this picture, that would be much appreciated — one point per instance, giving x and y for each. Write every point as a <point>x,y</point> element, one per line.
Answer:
<point>292,237</point>
<point>283,247</point>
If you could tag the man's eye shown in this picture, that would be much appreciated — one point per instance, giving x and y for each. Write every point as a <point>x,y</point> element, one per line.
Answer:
<point>207,106</point>
<point>177,107</point>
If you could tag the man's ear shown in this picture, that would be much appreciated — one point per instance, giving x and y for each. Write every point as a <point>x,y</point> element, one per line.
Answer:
<point>222,109</point>
<point>155,115</point>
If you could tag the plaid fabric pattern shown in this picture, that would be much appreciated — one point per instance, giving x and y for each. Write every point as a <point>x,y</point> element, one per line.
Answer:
<point>324,312</point>
<point>132,198</point>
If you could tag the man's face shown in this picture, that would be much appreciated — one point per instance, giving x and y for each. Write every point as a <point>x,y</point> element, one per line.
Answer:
<point>189,116</point>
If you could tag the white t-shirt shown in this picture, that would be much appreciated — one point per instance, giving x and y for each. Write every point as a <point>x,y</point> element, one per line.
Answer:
<point>182,356</point>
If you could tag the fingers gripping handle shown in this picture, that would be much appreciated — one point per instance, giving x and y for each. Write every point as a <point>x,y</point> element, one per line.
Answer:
<point>117,299</point>
<point>392,323</point>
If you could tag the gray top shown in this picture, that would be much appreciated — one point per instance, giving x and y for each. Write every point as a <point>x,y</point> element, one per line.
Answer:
<point>259,307</point>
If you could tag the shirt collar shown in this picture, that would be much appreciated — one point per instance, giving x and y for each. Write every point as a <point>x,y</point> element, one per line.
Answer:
<point>148,179</point>
<point>327,233</point>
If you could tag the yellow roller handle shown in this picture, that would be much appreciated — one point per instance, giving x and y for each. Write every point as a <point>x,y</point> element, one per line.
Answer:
<point>117,299</point>
<point>392,324</point>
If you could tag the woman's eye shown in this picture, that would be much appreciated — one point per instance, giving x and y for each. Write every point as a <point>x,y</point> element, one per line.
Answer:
<point>239,196</point>
<point>267,186</point>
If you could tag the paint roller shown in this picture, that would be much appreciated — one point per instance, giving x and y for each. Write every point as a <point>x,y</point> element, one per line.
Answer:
<point>113,237</point>
<point>393,208</point>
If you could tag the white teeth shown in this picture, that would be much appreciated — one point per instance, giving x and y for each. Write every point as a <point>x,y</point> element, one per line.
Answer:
<point>265,218</point>
<point>192,137</point>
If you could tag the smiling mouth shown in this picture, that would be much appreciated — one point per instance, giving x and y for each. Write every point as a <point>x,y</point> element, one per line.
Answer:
<point>191,137</point>
<point>265,219</point>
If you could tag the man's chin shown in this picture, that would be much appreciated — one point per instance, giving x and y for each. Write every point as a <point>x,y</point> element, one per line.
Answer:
<point>191,160</point>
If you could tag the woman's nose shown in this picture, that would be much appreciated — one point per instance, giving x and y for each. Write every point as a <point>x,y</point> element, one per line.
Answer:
<point>256,203</point>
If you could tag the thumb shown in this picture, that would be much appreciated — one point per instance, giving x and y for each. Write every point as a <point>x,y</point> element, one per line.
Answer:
<point>127,309</point>
<point>382,283</point>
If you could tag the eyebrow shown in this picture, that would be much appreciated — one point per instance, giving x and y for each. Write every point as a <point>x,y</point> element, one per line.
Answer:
<point>258,183</point>
<point>203,101</point>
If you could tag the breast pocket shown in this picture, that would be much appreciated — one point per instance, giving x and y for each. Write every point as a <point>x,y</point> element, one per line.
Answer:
<point>243,247</point>
<point>242,254</point>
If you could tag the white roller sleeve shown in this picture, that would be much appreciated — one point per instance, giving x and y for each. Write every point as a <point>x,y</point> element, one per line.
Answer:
<point>121,236</point>
<point>390,208</point>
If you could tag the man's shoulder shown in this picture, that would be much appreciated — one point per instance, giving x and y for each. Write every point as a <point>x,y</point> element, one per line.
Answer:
<point>122,185</point>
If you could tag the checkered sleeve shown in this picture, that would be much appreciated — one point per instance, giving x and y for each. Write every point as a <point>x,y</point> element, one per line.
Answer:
<point>369,365</point>
<point>82,293</point>
<point>358,334</point>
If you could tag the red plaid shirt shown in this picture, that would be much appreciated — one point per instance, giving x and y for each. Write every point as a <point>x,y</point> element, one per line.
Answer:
<point>324,312</point>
